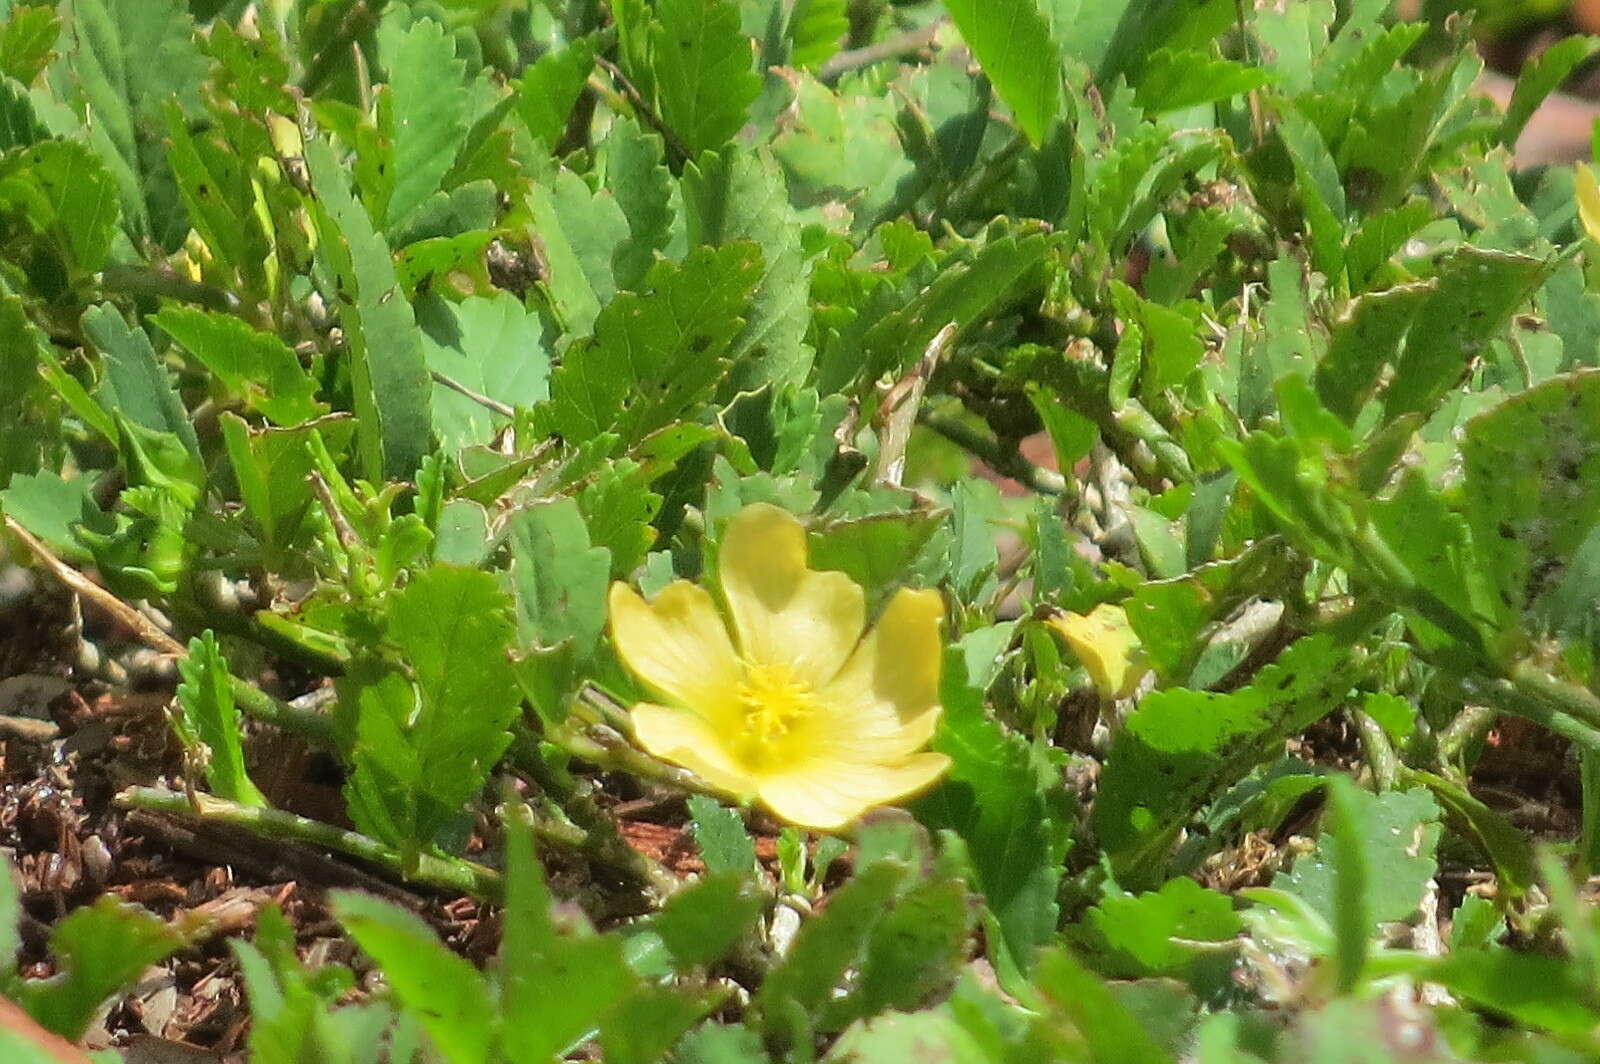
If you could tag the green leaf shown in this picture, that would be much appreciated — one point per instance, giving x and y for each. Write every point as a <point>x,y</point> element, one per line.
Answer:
<point>209,724</point>
<point>915,951</point>
<point>1478,293</point>
<point>702,922</point>
<point>646,1023</point>
<point>1145,928</point>
<point>1111,1030</point>
<point>388,370</point>
<point>490,345</point>
<point>27,39</point>
<point>254,366</point>
<point>724,844</point>
<point>644,188</point>
<point>993,798</point>
<point>560,585</point>
<point>716,1044</point>
<point>828,944</point>
<point>1180,747</point>
<point>1317,186</point>
<point>100,949</point>
<point>19,126</point>
<point>970,286</point>
<point>136,384</point>
<point>10,916</point>
<point>582,232</point>
<point>1503,844</point>
<point>654,355</point>
<point>554,988</point>
<point>48,506</point>
<point>816,28</point>
<point>1394,834</point>
<point>549,88</point>
<point>447,994</point>
<point>271,466</point>
<point>66,195</point>
<point>1541,76</point>
<point>423,745</point>
<point>132,58</point>
<point>1173,79</point>
<point>1534,989</point>
<point>429,104</point>
<point>1008,37</point>
<point>1532,487</point>
<point>1365,338</point>
<point>738,195</point>
<point>701,67</point>
<point>876,551</point>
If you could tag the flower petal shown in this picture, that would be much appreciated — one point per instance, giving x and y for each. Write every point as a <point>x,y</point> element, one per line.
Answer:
<point>887,695</point>
<point>782,611</point>
<point>678,647</point>
<point>1588,201</point>
<point>828,796</point>
<point>684,738</point>
<point>1106,645</point>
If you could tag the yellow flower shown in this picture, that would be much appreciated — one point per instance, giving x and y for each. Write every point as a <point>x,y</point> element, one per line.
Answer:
<point>1105,643</point>
<point>796,708</point>
<point>1589,202</point>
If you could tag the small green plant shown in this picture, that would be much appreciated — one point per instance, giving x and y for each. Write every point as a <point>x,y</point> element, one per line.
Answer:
<point>377,342</point>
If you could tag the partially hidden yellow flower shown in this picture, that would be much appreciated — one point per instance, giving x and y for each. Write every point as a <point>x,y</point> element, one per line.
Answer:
<point>794,706</point>
<point>1589,202</point>
<point>1107,646</point>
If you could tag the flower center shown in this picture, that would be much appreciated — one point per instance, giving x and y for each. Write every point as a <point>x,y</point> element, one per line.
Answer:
<point>774,704</point>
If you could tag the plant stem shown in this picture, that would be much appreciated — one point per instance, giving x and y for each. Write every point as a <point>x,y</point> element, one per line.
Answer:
<point>446,873</point>
<point>1006,462</point>
<point>1379,752</point>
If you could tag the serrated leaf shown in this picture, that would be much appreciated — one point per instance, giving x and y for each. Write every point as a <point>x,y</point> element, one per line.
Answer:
<point>423,744</point>
<point>560,584</point>
<point>491,345</point>
<point>1366,337</point>
<point>19,126</point>
<point>1008,37</point>
<point>66,195</point>
<point>550,86</point>
<point>271,466</point>
<point>1532,490</point>
<point>702,922</point>
<point>725,845</point>
<point>100,949</point>
<point>1394,834</point>
<point>816,29</point>
<point>915,950</point>
<point>1541,76</point>
<point>740,195</point>
<point>136,384</point>
<point>390,376</point>
<point>255,366</point>
<point>1478,293</point>
<point>1110,1028</point>
<point>429,105</point>
<point>211,720</point>
<point>656,354</point>
<point>1180,746</point>
<point>994,799</point>
<point>1317,186</point>
<point>131,58</point>
<point>27,39</point>
<point>644,189</point>
<point>446,994</point>
<point>48,506</point>
<point>554,988</point>
<point>828,944</point>
<point>1145,928</point>
<point>700,62</point>
<point>1501,842</point>
<point>581,231</point>
<point>1174,79</point>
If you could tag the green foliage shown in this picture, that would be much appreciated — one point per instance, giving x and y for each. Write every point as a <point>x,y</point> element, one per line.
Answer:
<point>424,322</point>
